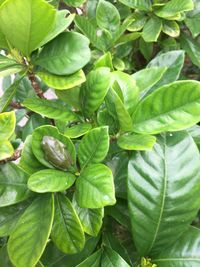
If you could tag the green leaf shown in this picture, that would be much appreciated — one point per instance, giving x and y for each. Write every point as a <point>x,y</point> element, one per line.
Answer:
<point>66,54</point>
<point>67,232</point>
<point>78,130</point>
<point>144,5</point>
<point>152,29</point>
<point>192,48</point>
<point>95,89</point>
<point>50,109</point>
<point>138,23</point>
<point>62,82</point>
<point>27,242</point>
<point>9,66</point>
<point>71,97</point>
<point>173,7</point>
<point>50,181</point>
<point>112,258</point>
<point>7,125</point>
<point>50,131</point>
<point>179,111</point>
<point>4,259</point>
<point>74,3</point>
<point>24,25</point>
<point>173,61</point>
<point>147,78</point>
<point>95,187</point>
<point>3,41</point>
<point>128,38</point>
<point>94,146</point>
<point>93,260</point>
<point>183,253</point>
<point>13,185</point>
<point>28,161</point>
<point>107,16</point>
<point>171,28</point>
<point>61,23</point>
<point>9,217</point>
<point>193,24</point>
<point>6,149</point>
<point>133,141</point>
<point>104,61</point>
<point>117,109</point>
<point>163,186</point>
<point>91,219</point>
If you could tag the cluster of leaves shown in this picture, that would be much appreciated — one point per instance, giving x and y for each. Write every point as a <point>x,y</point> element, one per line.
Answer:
<point>106,171</point>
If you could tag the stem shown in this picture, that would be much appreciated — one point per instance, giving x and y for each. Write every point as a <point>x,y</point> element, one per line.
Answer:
<point>35,85</point>
<point>16,105</point>
<point>15,156</point>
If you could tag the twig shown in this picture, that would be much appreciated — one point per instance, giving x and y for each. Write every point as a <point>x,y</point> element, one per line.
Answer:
<point>15,156</point>
<point>16,105</point>
<point>35,85</point>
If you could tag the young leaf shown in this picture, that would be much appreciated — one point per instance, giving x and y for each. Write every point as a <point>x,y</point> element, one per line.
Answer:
<point>78,130</point>
<point>27,242</point>
<point>62,82</point>
<point>67,232</point>
<point>66,54</point>
<point>171,28</point>
<point>93,147</point>
<point>7,125</point>
<point>112,258</point>
<point>163,186</point>
<point>50,109</point>
<point>6,149</point>
<point>179,111</point>
<point>152,29</point>
<point>95,187</point>
<point>50,181</point>
<point>13,185</point>
<point>95,89</point>
<point>93,260</point>
<point>107,16</point>
<point>133,141</point>
<point>9,66</point>
<point>23,31</point>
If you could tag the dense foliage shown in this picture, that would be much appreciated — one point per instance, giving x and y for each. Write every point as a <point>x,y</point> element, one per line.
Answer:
<point>99,135</point>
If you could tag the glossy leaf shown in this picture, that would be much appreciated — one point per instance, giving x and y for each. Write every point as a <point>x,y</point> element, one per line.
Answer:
<point>93,148</point>
<point>171,28</point>
<point>50,109</point>
<point>95,187</point>
<point>66,54</point>
<point>4,259</point>
<point>13,185</point>
<point>62,82</point>
<point>67,232</point>
<point>183,253</point>
<point>91,219</point>
<point>78,130</point>
<point>9,66</point>
<point>95,90</point>
<point>112,258</point>
<point>163,186</point>
<point>93,260</point>
<point>71,97</point>
<point>6,149</point>
<point>51,131</point>
<point>193,24</point>
<point>152,29</point>
<point>104,61</point>
<point>50,181</point>
<point>26,32</point>
<point>109,20</point>
<point>140,4</point>
<point>136,142</point>
<point>7,125</point>
<point>179,111</point>
<point>27,242</point>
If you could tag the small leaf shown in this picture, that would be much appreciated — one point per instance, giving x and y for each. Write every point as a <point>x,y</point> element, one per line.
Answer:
<point>27,242</point>
<point>152,29</point>
<point>93,260</point>
<point>112,258</point>
<point>13,185</point>
<point>144,5</point>
<point>7,125</point>
<point>95,187</point>
<point>62,82</point>
<point>9,66</point>
<point>104,61</point>
<point>136,142</point>
<point>67,232</point>
<point>50,181</point>
<point>94,146</point>
<point>171,28</point>
<point>78,130</point>
<point>6,149</point>
<point>66,54</point>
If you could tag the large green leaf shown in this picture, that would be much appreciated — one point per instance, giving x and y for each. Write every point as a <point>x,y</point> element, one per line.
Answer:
<point>50,131</point>
<point>94,146</point>
<point>112,258</point>
<point>50,181</point>
<point>95,89</point>
<point>50,109</point>
<point>67,232</point>
<point>183,253</point>
<point>163,190</point>
<point>152,29</point>
<point>4,259</point>
<point>107,16</point>
<point>66,54</point>
<point>139,4</point>
<point>62,82</point>
<point>93,260</point>
<point>13,185</point>
<point>91,219</point>
<point>6,149</point>
<point>7,125</point>
<point>24,24</point>
<point>179,111</point>
<point>29,238</point>
<point>95,187</point>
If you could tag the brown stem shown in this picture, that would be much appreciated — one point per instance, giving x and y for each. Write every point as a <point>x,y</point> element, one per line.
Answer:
<point>16,105</point>
<point>35,85</point>
<point>15,156</point>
